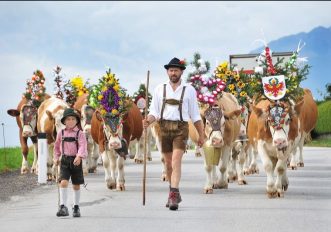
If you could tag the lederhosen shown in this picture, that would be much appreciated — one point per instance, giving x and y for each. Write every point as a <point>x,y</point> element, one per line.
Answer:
<point>174,134</point>
<point>67,168</point>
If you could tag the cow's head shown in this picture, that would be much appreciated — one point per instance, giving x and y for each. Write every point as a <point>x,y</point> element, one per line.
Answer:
<point>87,113</point>
<point>55,117</point>
<point>113,128</point>
<point>215,124</point>
<point>280,119</point>
<point>28,119</point>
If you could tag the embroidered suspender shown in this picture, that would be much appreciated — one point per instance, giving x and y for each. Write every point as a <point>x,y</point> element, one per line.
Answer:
<point>69,139</point>
<point>172,102</point>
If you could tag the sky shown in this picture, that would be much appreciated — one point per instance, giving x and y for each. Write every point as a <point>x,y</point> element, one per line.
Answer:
<point>86,38</point>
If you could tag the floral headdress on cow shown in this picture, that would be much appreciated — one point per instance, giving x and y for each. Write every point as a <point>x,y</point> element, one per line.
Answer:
<point>74,88</point>
<point>139,98</point>
<point>207,86</point>
<point>280,80</point>
<point>35,90</point>
<point>108,96</point>
<point>237,82</point>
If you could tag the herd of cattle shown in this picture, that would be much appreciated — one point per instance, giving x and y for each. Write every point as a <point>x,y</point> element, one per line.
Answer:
<point>239,132</point>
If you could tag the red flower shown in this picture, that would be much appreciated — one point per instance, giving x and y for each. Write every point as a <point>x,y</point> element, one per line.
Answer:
<point>182,62</point>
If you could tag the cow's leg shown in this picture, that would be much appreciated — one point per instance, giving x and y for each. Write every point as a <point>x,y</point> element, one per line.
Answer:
<point>232,167</point>
<point>95,157</point>
<point>132,149</point>
<point>223,180</point>
<point>197,151</point>
<point>242,158</point>
<point>293,163</point>
<point>301,143</point>
<point>120,177</point>
<point>248,160</point>
<point>51,168</point>
<point>25,151</point>
<point>34,168</point>
<point>138,158</point>
<point>164,176</point>
<point>109,166</point>
<point>209,180</point>
<point>253,168</point>
<point>269,169</point>
<point>281,178</point>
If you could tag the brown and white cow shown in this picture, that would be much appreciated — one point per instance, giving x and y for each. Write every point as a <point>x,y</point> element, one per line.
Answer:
<point>26,119</point>
<point>273,129</point>
<point>86,111</point>
<point>138,147</point>
<point>221,128</point>
<point>50,113</point>
<point>108,132</point>
<point>308,119</point>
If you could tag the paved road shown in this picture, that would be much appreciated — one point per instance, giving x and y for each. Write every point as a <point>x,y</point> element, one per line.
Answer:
<point>306,206</point>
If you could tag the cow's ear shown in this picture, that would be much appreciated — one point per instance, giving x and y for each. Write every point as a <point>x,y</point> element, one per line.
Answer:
<point>79,113</point>
<point>13,112</point>
<point>298,107</point>
<point>257,111</point>
<point>98,115</point>
<point>232,115</point>
<point>49,114</point>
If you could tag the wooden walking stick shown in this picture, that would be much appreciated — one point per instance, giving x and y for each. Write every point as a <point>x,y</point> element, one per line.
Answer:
<point>145,140</point>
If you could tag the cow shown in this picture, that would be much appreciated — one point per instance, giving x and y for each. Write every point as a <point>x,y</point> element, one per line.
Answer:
<point>308,119</point>
<point>273,128</point>
<point>50,113</point>
<point>86,112</point>
<point>26,119</point>
<point>222,125</point>
<point>109,132</point>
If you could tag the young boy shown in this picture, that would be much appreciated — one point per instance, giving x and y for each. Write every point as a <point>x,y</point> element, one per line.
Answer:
<point>71,145</point>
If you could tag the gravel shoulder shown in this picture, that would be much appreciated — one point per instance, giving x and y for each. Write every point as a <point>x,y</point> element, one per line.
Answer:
<point>14,184</point>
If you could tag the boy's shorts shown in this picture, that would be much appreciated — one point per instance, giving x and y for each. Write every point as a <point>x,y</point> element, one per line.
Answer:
<point>68,169</point>
<point>174,135</point>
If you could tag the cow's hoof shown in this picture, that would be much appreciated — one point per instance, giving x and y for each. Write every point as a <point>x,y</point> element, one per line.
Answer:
<point>208,191</point>
<point>85,172</point>
<point>272,194</point>
<point>242,182</point>
<point>164,177</point>
<point>197,154</point>
<point>231,179</point>
<point>300,164</point>
<point>91,170</point>
<point>120,187</point>
<point>215,186</point>
<point>149,158</point>
<point>131,156</point>
<point>280,194</point>
<point>293,167</point>
<point>111,184</point>
<point>24,171</point>
<point>138,161</point>
<point>254,170</point>
<point>247,172</point>
<point>34,170</point>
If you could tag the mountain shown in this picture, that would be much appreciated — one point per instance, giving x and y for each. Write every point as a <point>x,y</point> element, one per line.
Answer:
<point>318,51</point>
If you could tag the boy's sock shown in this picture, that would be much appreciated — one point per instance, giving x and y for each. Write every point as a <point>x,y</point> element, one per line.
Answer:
<point>63,196</point>
<point>76,197</point>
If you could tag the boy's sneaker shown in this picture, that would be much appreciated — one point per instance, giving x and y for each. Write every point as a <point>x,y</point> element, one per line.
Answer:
<point>63,211</point>
<point>75,211</point>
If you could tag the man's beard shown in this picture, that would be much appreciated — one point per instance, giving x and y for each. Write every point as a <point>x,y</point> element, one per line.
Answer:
<point>175,79</point>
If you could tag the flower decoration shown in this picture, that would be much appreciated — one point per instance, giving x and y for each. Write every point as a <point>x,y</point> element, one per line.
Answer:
<point>237,82</point>
<point>293,70</point>
<point>200,66</point>
<point>35,90</point>
<point>108,96</point>
<point>58,79</point>
<point>74,88</point>
<point>140,95</point>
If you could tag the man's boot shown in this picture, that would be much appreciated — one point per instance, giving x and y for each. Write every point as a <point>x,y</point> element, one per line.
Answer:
<point>179,199</point>
<point>174,199</point>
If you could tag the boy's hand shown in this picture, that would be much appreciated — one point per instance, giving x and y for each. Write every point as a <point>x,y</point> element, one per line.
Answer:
<point>77,160</point>
<point>56,161</point>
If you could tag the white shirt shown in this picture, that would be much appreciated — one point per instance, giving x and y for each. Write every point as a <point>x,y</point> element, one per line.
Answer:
<point>190,107</point>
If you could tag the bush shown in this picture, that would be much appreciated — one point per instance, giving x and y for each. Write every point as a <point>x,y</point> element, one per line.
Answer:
<point>323,125</point>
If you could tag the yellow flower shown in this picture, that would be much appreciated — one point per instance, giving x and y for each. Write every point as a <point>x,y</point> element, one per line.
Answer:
<point>243,94</point>
<point>80,92</point>
<point>120,102</point>
<point>103,111</point>
<point>228,73</point>
<point>224,65</point>
<point>100,97</point>
<point>116,88</point>
<point>111,81</point>
<point>241,84</point>
<point>104,89</point>
<point>231,87</point>
<point>234,93</point>
<point>77,82</point>
<point>114,111</point>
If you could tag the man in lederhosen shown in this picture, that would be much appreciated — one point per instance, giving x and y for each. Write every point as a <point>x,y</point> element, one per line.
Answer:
<point>173,104</point>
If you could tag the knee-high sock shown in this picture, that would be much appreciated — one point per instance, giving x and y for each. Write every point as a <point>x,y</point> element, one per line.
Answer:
<point>63,196</point>
<point>76,197</point>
